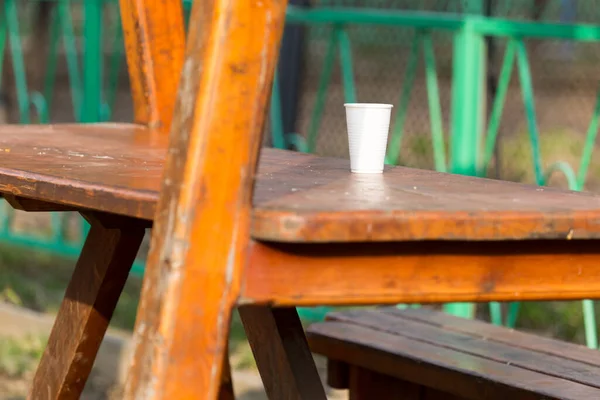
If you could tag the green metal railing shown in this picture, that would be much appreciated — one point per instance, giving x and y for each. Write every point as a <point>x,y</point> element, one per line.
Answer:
<point>94,91</point>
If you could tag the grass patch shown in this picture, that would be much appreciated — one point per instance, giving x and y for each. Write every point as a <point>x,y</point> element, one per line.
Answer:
<point>38,280</point>
<point>555,319</point>
<point>19,356</point>
<point>559,145</point>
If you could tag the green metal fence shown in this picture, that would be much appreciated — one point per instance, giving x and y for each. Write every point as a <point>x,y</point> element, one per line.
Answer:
<point>441,111</point>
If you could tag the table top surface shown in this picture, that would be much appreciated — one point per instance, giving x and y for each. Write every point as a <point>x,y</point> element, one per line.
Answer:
<point>117,168</point>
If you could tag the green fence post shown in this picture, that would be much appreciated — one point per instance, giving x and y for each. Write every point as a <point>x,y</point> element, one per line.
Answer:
<point>50,76</point>
<point>92,61</point>
<point>498,105</point>
<point>393,152</point>
<point>70,45</point>
<point>114,67</point>
<point>277,133</point>
<point>92,71</point>
<point>14,36</point>
<point>466,119</point>
<point>3,35</point>
<point>346,65</point>
<point>435,109</point>
<point>315,121</point>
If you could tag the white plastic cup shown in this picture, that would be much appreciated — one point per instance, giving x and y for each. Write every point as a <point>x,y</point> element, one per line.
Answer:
<point>368,127</point>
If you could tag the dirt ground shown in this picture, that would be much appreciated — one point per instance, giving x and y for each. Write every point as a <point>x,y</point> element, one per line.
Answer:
<point>21,327</point>
<point>247,386</point>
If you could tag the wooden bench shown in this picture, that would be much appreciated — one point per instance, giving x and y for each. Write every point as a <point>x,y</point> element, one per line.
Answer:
<point>389,353</point>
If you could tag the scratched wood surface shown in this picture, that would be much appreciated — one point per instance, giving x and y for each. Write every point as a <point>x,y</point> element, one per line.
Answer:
<point>117,168</point>
<point>467,363</point>
<point>107,167</point>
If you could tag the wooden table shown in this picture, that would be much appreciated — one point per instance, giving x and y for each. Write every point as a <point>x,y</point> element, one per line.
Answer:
<point>416,236</point>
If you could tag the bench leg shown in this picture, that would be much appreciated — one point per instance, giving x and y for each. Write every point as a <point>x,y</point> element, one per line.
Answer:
<point>86,310</point>
<point>365,384</point>
<point>282,354</point>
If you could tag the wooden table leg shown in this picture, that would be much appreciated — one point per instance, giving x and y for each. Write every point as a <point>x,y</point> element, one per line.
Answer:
<point>88,305</point>
<point>282,354</point>
<point>226,389</point>
<point>366,385</point>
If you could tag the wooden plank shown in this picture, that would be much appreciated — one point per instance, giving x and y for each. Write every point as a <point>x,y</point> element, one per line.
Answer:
<point>469,343</point>
<point>426,272</point>
<point>298,198</point>
<point>499,334</point>
<point>86,310</point>
<point>445,369</point>
<point>104,167</point>
<point>155,45</point>
<point>316,199</point>
<point>282,355</point>
<point>202,224</point>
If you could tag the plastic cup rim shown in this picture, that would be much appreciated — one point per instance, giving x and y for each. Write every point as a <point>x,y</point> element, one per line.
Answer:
<point>368,105</point>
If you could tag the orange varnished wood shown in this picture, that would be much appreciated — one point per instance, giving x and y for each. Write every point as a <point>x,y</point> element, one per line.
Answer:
<point>117,168</point>
<point>85,312</point>
<point>155,44</point>
<point>202,225</point>
<point>426,272</point>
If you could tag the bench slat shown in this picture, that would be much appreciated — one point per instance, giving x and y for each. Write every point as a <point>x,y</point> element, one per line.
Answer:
<point>485,347</point>
<point>499,334</point>
<point>438,367</point>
